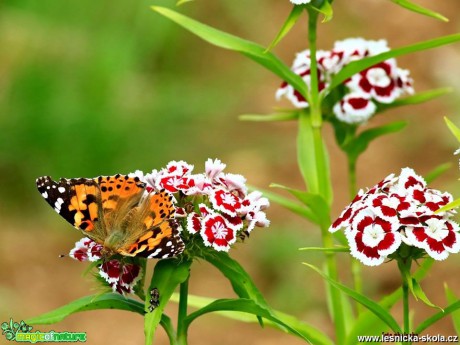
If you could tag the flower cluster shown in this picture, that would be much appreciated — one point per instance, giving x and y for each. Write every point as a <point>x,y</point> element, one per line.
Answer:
<point>225,209</point>
<point>381,83</point>
<point>214,207</point>
<point>399,210</point>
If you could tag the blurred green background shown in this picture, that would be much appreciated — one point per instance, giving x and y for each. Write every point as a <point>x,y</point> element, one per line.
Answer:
<point>93,88</point>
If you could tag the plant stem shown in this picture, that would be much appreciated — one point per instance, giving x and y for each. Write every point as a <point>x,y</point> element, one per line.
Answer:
<point>183,301</point>
<point>322,175</point>
<point>355,265</point>
<point>405,297</point>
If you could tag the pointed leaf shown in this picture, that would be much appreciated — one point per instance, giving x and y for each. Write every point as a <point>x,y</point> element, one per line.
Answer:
<point>245,306</point>
<point>372,306</point>
<point>312,154</point>
<point>287,26</point>
<point>453,128</point>
<point>181,2</point>
<point>290,205</point>
<point>167,275</point>
<point>325,9</point>
<point>449,206</point>
<point>309,331</point>
<point>419,9</point>
<point>360,65</point>
<point>420,294</point>
<point>436,172</point>
<point>227,41</point>
<point>359,144</point>
<point>315,202</point>
<point>242,283</point>
<point>270,117</point>
<point>420,97</point>
<point>451,298</point>
<point>438,316</point>
<point>105,301</point>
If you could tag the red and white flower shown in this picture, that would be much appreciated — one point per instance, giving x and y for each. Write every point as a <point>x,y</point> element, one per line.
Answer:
<point>86,250</point>
<point>381,83</point>
<point>225,202</point>
<point>354,108</point>
<point>216,232</point>
<point>122,277</point>
<point>436,235</point>
<point>398,209</point>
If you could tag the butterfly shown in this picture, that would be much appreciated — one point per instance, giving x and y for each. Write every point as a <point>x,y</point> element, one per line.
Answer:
<point>118,213</point>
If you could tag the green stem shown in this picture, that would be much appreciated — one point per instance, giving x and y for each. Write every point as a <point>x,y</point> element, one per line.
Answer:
<point>183,301</point>
<point>355,265</point>
<point>322,176</point>
<point>404,267</point>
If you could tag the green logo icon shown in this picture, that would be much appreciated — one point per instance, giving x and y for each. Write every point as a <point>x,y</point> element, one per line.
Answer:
<point>22,332</point>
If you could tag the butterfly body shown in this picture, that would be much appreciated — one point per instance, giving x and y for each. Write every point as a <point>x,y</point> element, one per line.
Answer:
<point>118,213</point>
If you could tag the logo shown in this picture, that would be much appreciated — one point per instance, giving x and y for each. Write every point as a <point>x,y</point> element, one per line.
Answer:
<point>22,332</point>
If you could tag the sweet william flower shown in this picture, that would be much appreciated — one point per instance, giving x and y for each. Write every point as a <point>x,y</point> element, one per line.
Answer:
<point>399,209</point>
<point>360,95</point>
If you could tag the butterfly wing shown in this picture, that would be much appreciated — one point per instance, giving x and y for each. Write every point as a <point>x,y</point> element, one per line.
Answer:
<point>160,235</point>
<point>76,200</point>
<point>89,204</point>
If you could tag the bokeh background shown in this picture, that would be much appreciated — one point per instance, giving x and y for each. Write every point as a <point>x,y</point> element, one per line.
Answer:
<point>98,87</point>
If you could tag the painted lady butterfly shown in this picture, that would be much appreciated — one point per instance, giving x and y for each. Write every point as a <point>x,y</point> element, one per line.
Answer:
<point>118,213</point>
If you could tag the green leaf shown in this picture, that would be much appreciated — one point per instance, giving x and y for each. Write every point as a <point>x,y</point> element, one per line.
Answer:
<point>309,331</point>
<point>308,158</point>
<point>436,172</point>
<point>294,115</point>
<point>241,282</point>
<point>438,316</point>
<point>325,9</point>
<point>360,65</point>
<point>420,97</point>
<point>242,305</point>
<point>453,128</point>
<point>290,205</point>
<point>359,144</point>
<point>181,2</point>
<point>420,294</point>
<point>370,324</point>
<point>419,9</point>
<point>287,26</point>
<point>105,301</point>
<point>167,275</point>
<point>372,306</point>
<point>451,298</point>
<point>449,206</point>
<point>327,250</point>
<point>167,325</point>
<point>313,201</point>
<point>227,41</point>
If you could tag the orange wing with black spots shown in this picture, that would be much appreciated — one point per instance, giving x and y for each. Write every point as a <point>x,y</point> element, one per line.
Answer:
<point>82,202</point>
<point>76,200</point>
<point>161,236</point>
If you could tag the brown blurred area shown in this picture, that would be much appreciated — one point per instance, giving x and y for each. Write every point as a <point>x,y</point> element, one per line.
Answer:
<point>167,95</point>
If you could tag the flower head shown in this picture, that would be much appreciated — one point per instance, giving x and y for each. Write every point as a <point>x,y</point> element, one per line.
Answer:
<point>398,210</point>
<point>382,83</point>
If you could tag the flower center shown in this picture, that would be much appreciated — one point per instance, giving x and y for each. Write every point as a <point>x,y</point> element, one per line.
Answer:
<point>219,230</point>
<point>373,235</point>
<point>378,77</point>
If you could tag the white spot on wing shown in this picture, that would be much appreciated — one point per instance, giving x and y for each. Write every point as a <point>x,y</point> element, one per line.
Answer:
<point>61,190</point>
<point>45,195</point>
